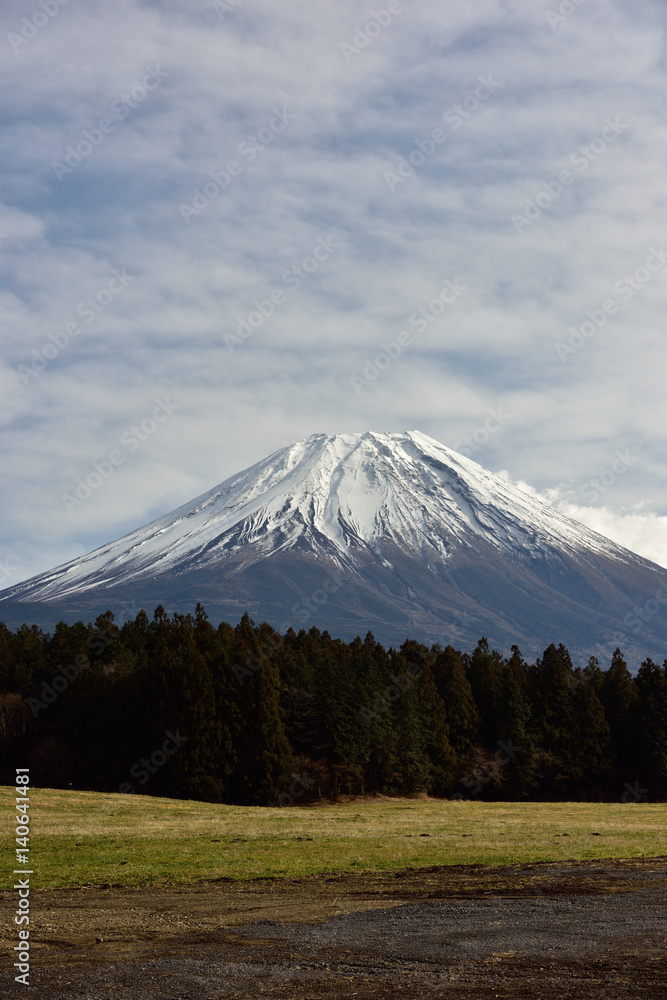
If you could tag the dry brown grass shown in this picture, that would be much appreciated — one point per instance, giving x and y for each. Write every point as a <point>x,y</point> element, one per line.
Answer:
<point>81,838</point>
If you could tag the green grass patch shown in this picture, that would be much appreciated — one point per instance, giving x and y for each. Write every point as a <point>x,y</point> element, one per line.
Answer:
<point>89,838</point>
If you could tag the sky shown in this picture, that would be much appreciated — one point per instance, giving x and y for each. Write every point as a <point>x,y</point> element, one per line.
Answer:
<point>225,226</point>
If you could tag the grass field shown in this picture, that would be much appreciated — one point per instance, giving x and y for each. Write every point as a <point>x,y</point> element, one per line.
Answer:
<point>88,838</point>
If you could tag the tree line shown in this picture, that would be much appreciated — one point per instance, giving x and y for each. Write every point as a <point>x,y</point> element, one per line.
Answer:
<point>242,714</point>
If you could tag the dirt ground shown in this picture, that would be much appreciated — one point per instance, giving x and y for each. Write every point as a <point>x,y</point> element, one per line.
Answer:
<point>576,929</point>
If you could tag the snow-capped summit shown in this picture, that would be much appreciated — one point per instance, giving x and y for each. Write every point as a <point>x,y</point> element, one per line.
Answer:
<point>418,539</point>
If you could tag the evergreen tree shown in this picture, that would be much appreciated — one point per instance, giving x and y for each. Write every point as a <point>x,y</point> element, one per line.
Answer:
<point>484,672</point>
<point>454,689</point>
<point>182,703</point>
<point>591,753</point>
<point>410,729</point>
<point>652,687</point>
<point>264,718</point>
<point>265,760</point>
<point>441,755</point>
<point>620,698</point>
<point>516,741</point>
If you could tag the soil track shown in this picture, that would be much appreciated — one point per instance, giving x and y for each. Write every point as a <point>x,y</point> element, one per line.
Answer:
<point>579,929</point>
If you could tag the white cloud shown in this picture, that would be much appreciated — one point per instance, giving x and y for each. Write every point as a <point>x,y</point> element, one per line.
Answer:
<point>642,532</point>
<point>325,174</point>
<point>645,534</point>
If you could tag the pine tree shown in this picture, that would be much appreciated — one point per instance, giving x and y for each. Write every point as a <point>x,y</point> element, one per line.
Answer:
<point>483,670</point>
<point>652,687</point>
<point>620,698</point>
<point>182,704</point>
<point>410,729</point>
<point>265,760</point>
<point>441,754</point>
<point>455,691</point>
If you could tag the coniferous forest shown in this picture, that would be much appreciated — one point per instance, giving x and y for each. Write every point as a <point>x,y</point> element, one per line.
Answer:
<point>176,707</point>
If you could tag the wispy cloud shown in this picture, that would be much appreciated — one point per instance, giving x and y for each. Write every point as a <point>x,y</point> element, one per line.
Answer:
<point>225,73</point>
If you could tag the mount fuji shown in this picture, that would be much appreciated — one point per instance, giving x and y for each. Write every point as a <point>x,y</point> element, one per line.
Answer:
<point>389,532</point>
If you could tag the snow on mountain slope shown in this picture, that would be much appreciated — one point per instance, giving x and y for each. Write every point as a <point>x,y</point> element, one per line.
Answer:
<point>337,495</point>
<point>392,533</point>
